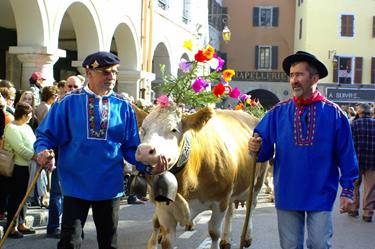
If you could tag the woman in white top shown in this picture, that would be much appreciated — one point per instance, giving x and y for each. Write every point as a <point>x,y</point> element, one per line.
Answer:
<point>19,139</point>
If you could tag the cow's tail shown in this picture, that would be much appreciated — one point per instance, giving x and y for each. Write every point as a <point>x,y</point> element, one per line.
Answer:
<point>249,202</point>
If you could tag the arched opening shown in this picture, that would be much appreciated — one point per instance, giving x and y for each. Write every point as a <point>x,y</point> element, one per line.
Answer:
<point>161,57</point>
<point>78,36</point>
<point>266,98</point>
<point>10,66</point>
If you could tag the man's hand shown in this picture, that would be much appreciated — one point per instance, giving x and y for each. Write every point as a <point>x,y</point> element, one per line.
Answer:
<point>255,143</point>
<point>345,204</point>
<point>160,166</point>
<point>46,158</point>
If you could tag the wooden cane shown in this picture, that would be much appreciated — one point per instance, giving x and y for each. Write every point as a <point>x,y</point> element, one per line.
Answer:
<point>249,202</point>
<point>32,185</point>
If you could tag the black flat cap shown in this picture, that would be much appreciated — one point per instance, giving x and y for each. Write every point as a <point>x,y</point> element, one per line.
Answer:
<point>100,59</point>
<point>304,56</point>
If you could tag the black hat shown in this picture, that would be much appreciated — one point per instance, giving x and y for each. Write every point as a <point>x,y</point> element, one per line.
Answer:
<point>304,56</point>
<point>100,59</point>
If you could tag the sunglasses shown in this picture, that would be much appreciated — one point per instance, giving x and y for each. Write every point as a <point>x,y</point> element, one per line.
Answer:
<point>72,86</point>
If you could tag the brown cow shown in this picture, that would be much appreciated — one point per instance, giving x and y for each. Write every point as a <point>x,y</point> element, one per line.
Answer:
<point>216,174</point>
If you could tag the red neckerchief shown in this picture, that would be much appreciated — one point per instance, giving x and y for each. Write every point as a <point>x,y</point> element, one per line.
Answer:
<point>315,97</point>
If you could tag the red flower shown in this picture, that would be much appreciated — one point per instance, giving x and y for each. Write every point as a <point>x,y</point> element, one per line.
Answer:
<point>200,57</point>
<point>219,90</point>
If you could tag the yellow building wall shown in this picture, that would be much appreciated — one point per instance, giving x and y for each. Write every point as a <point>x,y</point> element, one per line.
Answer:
<point>321,30</point>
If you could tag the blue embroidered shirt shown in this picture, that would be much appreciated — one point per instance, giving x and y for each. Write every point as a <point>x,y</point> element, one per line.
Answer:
<point>93,137</point>
<point>312,146</point>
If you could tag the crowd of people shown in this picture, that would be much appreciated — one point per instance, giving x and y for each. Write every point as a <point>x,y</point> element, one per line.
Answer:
<point>315,145</point>
<point>57,127</point>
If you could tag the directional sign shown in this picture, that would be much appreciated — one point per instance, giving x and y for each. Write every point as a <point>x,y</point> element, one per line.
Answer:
<point>350,95</point>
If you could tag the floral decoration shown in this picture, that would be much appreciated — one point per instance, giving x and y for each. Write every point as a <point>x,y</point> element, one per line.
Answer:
<point>194,88</point>
<point>247,104</point>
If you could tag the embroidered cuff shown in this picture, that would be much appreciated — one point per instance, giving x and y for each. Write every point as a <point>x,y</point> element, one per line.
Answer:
<point>347,192</point>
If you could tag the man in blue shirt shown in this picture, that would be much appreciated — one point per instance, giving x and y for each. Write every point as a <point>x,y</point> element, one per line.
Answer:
<point>311,140</point>
<point>94,129</point>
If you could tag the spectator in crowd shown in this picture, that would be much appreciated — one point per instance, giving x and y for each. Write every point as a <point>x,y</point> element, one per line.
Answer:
<point>72,83</point>
<point>37,82</point>
<point>3,179</point>
<point>94,130</point>
<point>9,94</point>
<point>29,97</point>
<point>363,130</point>
<point>49,96</point>
<point>19,139</point>
<point>61,87</point>
<point>311,140</point>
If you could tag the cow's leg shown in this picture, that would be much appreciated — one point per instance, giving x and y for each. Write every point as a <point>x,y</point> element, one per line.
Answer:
<point>214,224</point>
<point>168,225</point>
<point>226,237</point>
<point>196,207</point>
<point>153,240</point>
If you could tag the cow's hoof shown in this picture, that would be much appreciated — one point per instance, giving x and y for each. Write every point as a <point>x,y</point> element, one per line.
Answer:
<point>189,227</point>
<point>247,243</point>
<point>224,245</point>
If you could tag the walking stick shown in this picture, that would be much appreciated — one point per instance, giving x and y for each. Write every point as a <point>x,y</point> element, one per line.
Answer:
<point>249,201</point>
<point>37,174</point>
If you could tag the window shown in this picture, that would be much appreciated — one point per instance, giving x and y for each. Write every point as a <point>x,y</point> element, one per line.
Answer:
<point>300,29</point>
<point>373,26</point>
<point>266,16</point>
<point>347,25</point>
<point>373,70</point>
<point>163,4</point>
<point>266,57</point>
<point>215,14</point>
<point>186,11</point>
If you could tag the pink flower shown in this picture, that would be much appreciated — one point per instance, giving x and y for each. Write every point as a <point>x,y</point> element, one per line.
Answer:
<point>234,93</point>
<point>221,64</point>
<point>163,101</point>
<point>244,97</point>
<point>199,84</point>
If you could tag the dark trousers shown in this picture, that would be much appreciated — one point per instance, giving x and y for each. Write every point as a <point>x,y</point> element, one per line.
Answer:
<point>55,204</point>
<point>75,211</point>
<point>4,193</point>
<point>18,188</point>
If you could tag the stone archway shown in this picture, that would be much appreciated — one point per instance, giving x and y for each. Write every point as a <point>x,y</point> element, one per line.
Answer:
<point>161,57</point>
<point>265,97</point>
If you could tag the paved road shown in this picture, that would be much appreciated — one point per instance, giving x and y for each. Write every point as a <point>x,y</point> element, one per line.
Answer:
<point>135,228</point>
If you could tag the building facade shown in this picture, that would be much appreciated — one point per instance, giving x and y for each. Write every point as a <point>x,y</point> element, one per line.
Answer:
<point>262,35</point>
<point>341,33</point>
<point>55,36</point>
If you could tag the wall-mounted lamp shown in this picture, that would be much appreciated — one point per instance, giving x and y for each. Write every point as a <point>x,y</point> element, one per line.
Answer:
<point>226,34</point>
<point>332,55</point>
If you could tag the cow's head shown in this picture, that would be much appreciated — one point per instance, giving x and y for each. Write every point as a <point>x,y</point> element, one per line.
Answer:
<point>163,130</point>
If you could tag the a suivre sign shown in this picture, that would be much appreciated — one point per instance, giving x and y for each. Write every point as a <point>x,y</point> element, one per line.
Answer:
<point>260,76</point>
<point>350,95</point>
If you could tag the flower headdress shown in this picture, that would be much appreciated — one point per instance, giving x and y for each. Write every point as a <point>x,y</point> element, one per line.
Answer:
<point>195,88</point>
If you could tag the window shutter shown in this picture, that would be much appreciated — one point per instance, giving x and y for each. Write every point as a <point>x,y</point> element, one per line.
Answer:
<point>373,70</point>
<point>274,57</point>
<point>335,69</point>
<point>256,57</point>
<point>255,16</point>
<point>300,29</point>
<point>275,17</point>
<point>347,26</point>
<point>358,70</point>
<point>373,26</point>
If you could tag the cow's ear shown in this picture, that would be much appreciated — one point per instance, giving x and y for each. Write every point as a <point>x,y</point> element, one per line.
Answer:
<point>140,114</point>
<point>197,120</point>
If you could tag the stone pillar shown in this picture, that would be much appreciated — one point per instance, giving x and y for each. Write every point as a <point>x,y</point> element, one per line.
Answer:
<point>136,83</point>
<point>36,59</point>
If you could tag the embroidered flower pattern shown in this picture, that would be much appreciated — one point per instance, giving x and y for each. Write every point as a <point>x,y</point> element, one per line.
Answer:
<point>104,118</point>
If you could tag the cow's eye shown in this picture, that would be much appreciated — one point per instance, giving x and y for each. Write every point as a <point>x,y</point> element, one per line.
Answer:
<point>174,130</point>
